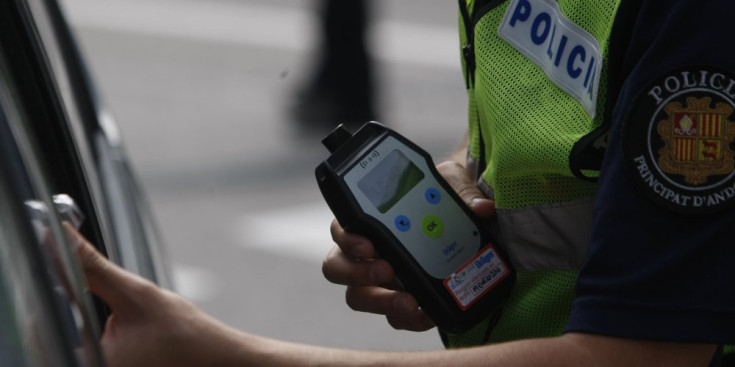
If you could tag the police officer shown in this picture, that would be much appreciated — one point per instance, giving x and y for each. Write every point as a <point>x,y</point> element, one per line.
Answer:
<point>622,260</point>
<point>550,85</point>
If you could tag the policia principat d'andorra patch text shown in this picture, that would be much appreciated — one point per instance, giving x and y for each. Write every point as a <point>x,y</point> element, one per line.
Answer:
<point>679,140</point>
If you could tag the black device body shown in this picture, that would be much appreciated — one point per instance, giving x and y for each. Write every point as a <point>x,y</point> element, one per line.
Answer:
<point>455,297</point>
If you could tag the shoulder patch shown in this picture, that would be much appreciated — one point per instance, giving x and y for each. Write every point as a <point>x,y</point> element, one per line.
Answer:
<point>679,140</point>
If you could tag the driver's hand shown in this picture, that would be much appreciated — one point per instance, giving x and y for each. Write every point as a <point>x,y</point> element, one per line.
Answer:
<point>150,326</point>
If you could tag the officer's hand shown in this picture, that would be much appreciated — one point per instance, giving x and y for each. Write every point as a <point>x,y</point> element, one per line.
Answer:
<point>457,177</point>
<point>150,326</point>
<point>371,283</point>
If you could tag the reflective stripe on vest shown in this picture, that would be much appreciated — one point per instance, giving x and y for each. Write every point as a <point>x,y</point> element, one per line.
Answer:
<point>540,237</point>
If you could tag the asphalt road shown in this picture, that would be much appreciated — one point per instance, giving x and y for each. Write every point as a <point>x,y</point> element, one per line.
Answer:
<point>201,90</point>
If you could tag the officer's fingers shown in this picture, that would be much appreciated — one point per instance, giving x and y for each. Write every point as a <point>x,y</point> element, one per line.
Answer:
<point>120,289</point>
<point>400,308</point>
<point>417,321</point>
<point>483,208</point>
<point>457,177</point>
<point>340,269</point>
<point>353,245</point>
<point>379,300</point>
<point>394,285</point>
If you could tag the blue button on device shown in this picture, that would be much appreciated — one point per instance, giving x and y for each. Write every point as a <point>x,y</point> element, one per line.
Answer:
<point>432,195</point>
<point>403,223</point>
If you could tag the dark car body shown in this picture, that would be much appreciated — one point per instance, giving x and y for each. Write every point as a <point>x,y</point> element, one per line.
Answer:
<point>56,137</point>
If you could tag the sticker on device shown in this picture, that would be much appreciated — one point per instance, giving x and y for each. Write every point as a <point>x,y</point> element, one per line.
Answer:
<point>476,277</point>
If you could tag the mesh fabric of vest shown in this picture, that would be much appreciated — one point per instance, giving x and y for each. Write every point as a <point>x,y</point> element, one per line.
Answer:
<point>529,127</point>
<point>538,306</point>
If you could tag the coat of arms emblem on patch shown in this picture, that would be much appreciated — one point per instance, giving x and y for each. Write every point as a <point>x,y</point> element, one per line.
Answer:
<point>697,140</point>
<point>679,140</point>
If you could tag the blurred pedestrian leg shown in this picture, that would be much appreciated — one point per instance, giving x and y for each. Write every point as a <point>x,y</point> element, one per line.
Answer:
<point>340,89</point>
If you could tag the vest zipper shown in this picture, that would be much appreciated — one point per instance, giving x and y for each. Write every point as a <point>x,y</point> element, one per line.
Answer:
<point>468,49</point>
<point>470,19</point>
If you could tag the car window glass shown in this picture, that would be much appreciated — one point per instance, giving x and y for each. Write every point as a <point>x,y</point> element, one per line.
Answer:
<point>54,53</point>
<point>70,88</point>
<point>50,308</point>
<point>32,335</point>
<point>126,219</point>
<point>11,340</point>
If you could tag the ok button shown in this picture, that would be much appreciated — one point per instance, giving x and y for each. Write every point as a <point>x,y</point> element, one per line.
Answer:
<point>432,226</point>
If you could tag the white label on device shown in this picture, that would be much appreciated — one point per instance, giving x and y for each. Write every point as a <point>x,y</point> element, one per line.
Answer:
<point>477,277</point>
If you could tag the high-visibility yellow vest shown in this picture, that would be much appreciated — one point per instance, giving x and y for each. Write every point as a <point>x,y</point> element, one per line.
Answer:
<point>536,81</point>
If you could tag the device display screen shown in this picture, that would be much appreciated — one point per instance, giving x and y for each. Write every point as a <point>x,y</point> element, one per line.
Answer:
<point>390,180</point>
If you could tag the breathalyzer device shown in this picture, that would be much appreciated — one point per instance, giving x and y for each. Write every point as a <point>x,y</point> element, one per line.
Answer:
<point>381,185</point>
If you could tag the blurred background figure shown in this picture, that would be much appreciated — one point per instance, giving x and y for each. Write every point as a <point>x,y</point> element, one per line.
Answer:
<point>341,88</point>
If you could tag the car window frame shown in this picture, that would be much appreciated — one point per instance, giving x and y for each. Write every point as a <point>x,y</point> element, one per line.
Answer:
<point>69,328</point>
<point>126,221</point>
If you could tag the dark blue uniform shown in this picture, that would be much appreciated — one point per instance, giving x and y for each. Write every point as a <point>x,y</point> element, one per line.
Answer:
<point>661,263</point>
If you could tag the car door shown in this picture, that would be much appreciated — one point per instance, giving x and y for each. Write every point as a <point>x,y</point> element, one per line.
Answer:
<point>57,138</point>
<point>47,317</point>
<point>83,140</point>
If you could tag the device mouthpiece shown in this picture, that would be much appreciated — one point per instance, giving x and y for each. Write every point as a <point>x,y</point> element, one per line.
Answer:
<point>336,138</point>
